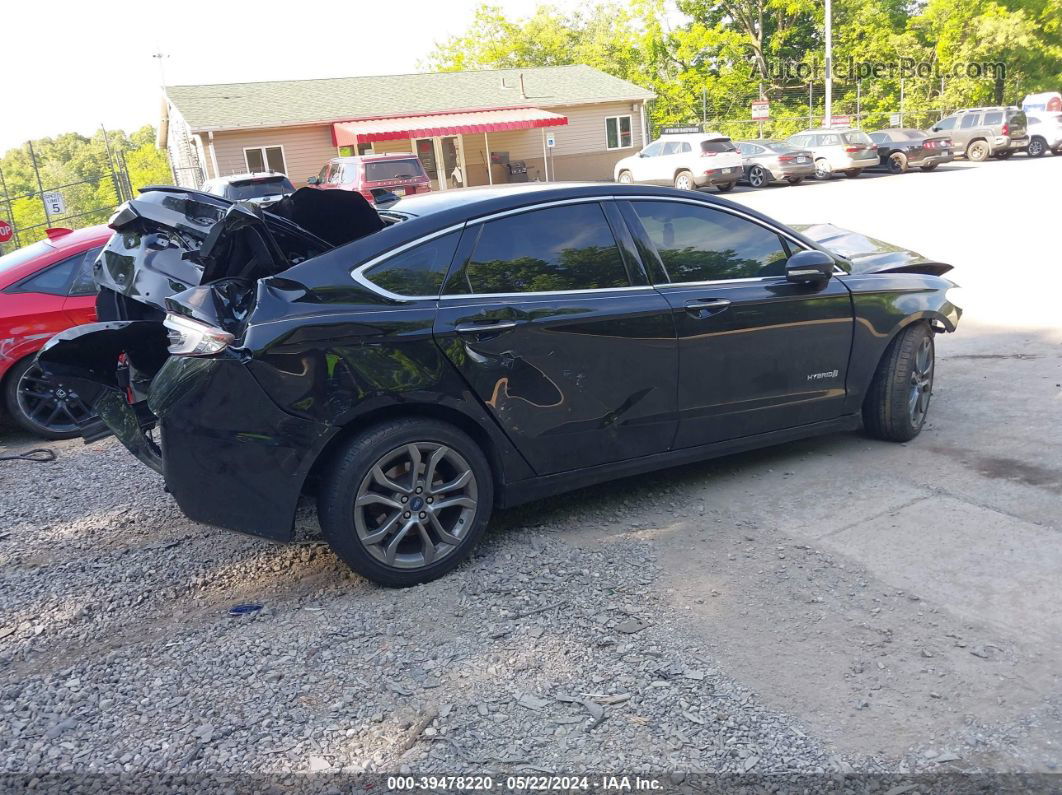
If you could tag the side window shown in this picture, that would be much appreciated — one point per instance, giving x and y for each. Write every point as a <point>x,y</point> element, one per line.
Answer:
<point>418,270</point>
<point>323,176</point>
<point>83,283</point>
<point>829,140</point>
<point>945,124</point>
<point>672,147</point>
<point>969,120</point>
<point>699,244</point>
<point>53,280</point>
<point>570,247</point>
<point>879,137</point>
<point>653,149</point>
<point>800,140</point>
<point>993,118</point>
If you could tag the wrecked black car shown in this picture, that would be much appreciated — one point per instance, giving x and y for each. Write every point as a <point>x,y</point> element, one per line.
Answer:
<point>415,367</point>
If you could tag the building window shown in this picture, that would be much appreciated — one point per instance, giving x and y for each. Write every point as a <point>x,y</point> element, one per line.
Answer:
<point>618,132</point>
<point>265,158</point>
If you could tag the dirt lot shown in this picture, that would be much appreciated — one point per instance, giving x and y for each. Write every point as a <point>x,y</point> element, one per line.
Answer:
<point>830,605</point>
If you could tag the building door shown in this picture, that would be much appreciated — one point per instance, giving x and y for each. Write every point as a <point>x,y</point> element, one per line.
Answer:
<point>425,148</point>
<point>440,156</point>
<point>450,157</point>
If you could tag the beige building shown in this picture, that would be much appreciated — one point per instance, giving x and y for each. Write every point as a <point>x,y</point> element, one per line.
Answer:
<point>564,122</point>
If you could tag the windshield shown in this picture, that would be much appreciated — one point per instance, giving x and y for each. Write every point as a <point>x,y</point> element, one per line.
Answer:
<point>23,255</point>
<point>376,171</point>
<point>256,188</point>
<point>857,137</point>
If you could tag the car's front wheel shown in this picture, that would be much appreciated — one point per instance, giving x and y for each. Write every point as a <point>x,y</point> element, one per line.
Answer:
<point>977,151</point>
<point>406,501</point>
<point>41,405</point>
<point>625,178</point>
<point>896,404</point>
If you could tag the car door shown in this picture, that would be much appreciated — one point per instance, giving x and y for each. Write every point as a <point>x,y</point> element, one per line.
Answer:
<point>642,167</point>
<point>967,129</point>
<point>555,328</point>
<point>670,161</point>
<point>756,352</point>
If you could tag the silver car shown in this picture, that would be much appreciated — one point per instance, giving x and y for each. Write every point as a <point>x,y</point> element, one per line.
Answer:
<point>1045,132</point>
<point>768,161</point>
<point>837,150</point>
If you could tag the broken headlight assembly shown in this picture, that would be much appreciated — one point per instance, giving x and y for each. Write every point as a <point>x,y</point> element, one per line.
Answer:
<point>191,338</point>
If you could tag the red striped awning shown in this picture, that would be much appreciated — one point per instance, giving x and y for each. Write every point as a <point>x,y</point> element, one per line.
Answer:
<point>349,133</point>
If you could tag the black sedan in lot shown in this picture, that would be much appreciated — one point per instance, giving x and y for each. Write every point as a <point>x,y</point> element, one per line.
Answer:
<point>903,148</point>
<point>416,367</point>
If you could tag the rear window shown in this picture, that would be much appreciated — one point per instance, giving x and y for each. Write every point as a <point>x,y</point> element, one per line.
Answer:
<point>23,255</point>
<point>718,146</point>
<point>256,188</point>
<point>376,171</point>
<point>857,137</point>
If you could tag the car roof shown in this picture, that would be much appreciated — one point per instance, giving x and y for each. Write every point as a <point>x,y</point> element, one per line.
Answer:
<point>362,158</point>
<point>230,178</point>
<point>710,135</point>
<point>988,107</point>
<point>828,130</point>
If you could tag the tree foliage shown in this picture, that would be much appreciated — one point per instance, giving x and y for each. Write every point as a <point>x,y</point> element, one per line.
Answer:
<point>89,172</point>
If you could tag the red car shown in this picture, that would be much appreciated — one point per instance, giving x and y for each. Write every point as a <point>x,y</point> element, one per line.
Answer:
<point>45,287</point>
<point>401,174</point>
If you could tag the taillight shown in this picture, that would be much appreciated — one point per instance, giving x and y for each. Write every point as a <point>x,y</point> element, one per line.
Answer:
<point>708,154</point>
<point>786,158</point>
<point>930,144</point>
<point>854,148</point>
<point>189,337</point>
<point>1006,128</point>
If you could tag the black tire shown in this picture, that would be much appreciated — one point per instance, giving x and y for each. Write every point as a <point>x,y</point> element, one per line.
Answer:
<point>758,177</point>
<point>684,180</point>
<point>794,180</point>
<point>852,173</point>
<point>1003,155</point>
<point>41,405</point>
<point>728,186</point>
<point>1037,147</point>
<point>351,471</point>
<point>888,409</point>
<point>822,169</point>
<point>897,163</point>
<point>977,151</point>
<point>929,167</point>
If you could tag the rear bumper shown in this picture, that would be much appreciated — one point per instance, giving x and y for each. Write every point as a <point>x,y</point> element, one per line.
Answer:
<point>230,456</point>
<point>719,176</point>
<point>1007,144</point>
<point>789,170</point>
<point>935,160</point>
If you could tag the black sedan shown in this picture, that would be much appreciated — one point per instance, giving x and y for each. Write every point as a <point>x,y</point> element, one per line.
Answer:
<point>902,148</point>
<point>416,367</point>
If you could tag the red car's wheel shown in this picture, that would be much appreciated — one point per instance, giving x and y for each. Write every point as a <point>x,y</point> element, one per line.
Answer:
<point>42,405</point>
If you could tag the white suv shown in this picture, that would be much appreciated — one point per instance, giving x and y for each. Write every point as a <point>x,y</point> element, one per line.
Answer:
<point>686,160</point>
<point>1045,132</point>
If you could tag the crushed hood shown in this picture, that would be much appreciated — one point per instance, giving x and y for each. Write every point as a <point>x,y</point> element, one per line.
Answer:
<point>869,255</point>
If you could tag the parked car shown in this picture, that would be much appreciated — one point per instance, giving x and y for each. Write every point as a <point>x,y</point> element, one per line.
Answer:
<point>769,161</point>
<point>837,150</point>
<point>1045,132</point>
<point>981,133</point>
<point>258,188</point>
<point>901,148</point>
<point>45,287</point>
<point>1046,101</point>
<point>452,354</point>
<point>399,174</point>
<point>686,161</point>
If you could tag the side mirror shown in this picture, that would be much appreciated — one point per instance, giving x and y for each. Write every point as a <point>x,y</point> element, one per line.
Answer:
<point>809,267</point>
<point>641,154</point>
<point>313,181</point>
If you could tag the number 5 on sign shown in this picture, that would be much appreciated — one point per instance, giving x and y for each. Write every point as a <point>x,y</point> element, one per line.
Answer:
<point>54,200</point>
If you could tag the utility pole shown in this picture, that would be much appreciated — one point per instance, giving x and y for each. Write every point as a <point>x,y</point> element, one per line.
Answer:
<point>811,103</point>
<point>704,106</point>
<point>40,185</point>
<point>901,102</point>
<point>829,63</point>
<point>859,103</point>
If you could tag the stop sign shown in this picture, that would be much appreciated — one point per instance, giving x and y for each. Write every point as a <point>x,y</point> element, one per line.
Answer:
<point>5,231</point>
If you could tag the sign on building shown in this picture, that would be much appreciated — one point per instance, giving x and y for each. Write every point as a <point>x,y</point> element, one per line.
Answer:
<point>551,140</point>
<point>681,130</point>
<point>53,200</point>
<point>761,109</point>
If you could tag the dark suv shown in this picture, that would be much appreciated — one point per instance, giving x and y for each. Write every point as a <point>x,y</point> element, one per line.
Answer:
<point>985,132</point>
<point>417,367</point>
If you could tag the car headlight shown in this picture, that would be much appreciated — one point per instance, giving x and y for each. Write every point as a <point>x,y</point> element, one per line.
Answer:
<point>192,338</point>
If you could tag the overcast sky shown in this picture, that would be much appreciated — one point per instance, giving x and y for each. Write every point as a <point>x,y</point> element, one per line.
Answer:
<point>72,65</point>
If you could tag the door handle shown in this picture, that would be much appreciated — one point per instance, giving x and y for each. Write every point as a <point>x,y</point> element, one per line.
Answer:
<point>488,327</point>
<point>706,307</point>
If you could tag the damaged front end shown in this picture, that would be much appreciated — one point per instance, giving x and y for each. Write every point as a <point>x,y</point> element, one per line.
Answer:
<point>178,279</point>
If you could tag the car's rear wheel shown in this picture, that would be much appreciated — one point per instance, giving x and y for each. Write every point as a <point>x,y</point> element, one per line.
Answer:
<point>1003,155</point>
<point>758,177</point>
<point>684,181</point>
<point>930,167</point>
<point>625,178</point>
<point>1037,147</point>
<point>977,151</point>
<point>897,163</point>
<point>794,180</point>
<point>42,405</point>
<point>897,402</point>
<point>852,173</point>
<point>406,501</point>
<point>822,169</point>
<point>727,186</point>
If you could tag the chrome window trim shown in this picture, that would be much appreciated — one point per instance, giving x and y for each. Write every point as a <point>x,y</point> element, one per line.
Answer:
<point>359,276</point>
<point>589,291</point>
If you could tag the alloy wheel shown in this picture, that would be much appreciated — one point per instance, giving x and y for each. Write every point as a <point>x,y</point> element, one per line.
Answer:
<point>921,382</point>
<point>757,177</point>
<point>625,178</point>
<point>49,404</point>
<point>682,182</point>
<point>1036,147</point>
<point>415,505</point>
<point>823,170</point>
